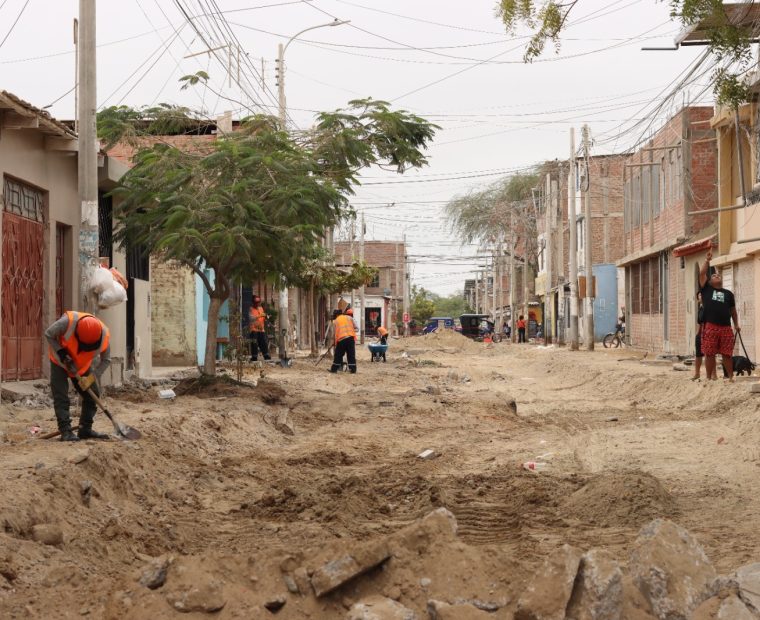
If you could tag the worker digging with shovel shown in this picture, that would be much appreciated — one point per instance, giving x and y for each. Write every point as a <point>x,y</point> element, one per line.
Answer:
<point>75,340</point>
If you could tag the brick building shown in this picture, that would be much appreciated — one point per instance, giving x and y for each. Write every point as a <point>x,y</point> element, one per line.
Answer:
<point>738,251</point>
<point>669,190</point>
<point>384,296</point>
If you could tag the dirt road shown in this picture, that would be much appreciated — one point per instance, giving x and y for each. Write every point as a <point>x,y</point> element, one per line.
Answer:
<point>243,492</point>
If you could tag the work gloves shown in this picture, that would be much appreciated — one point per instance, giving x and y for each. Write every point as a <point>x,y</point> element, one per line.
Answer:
<point>85,383</point>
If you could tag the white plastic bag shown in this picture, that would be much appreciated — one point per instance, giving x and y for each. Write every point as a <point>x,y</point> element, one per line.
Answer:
<point>101,280</point>
<point>112,296</point>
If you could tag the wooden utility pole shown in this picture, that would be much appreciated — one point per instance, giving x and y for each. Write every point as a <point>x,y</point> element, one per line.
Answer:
<point>512,273</point>
<point>363,315</point>
<point>548,257</point>
<point>353,256</point>
<point>406,290</point>
<point>493,287</point>
<point>588,315</point>
<point>88,152</point>
<point>573,250</point>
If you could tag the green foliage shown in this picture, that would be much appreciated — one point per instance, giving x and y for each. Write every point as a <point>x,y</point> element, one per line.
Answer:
<point>731,44</point>
<point>124,124</point>
<point>453,305</point>
<point>193,79</point>
<point>422,305</point>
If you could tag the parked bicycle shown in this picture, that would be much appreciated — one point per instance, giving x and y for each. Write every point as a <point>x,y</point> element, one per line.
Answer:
<point>616,339</point>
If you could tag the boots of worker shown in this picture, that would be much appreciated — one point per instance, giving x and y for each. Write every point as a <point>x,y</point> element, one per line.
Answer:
<point>85,428</point>
<point>68,435</point>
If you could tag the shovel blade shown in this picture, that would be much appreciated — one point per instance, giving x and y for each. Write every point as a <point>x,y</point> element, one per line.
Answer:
<point>128,433</point>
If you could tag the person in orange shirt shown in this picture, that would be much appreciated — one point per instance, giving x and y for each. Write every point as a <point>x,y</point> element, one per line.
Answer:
<point>521,329</point>
<point>257,320</point>
<point>75,340</point>
<point>345,341</point>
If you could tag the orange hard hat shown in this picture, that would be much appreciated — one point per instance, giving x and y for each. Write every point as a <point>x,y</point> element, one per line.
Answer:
<point>89,330</point>
<point>382,331</point>
<point>350,312</point>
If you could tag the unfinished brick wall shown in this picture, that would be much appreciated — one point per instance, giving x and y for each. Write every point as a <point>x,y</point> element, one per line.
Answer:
<point>173,314</point>
<point>388,256</point>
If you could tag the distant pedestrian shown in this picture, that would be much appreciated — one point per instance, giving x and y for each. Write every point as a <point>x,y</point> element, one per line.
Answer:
<point>698,355</point>
<point>507,330</point>
<point>719,309</point>
<point>257,318</point>
<point>521,329</point>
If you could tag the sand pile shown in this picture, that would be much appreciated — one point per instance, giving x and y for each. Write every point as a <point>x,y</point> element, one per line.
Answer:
<point>619,499</point>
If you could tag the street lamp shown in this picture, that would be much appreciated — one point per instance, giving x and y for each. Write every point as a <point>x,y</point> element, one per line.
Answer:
<point>283,315</point>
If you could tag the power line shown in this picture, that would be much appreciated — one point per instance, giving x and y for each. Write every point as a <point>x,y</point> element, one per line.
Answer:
<point>13,25</point>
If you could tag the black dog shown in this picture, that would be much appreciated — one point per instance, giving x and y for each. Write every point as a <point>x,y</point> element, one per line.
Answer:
<point>741,365</point>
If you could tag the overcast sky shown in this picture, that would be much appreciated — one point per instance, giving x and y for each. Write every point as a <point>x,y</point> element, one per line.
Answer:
<point>449,61</point>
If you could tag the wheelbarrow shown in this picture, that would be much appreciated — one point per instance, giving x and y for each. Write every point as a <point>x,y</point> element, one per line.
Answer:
<point>377,351</point>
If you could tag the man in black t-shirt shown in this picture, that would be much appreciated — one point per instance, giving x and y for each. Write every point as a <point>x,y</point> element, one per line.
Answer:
<point>719,309</point>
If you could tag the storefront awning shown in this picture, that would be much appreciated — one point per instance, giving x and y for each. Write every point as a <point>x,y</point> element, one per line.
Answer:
<point>695,247</point>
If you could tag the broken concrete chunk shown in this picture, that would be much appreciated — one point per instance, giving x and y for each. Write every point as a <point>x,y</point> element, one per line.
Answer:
<point>598,591</point>
<point>284,424</point>
<point>301,577</point>
<point>442,516</point>
<point>290,584</point>
<point>342,569</point>
<point>48,534</point>
<point>275,604</point>
<point>438,610</point>
<point>79,456</point>
<point>154,575</point>
<point>671,570</point>
<point>380,608</point>
<point>426,454</point>
<point>190,588</point>
<point>755,388</point>
<point>723,608</point>
<point>748,580</point>
<point>547,595</point>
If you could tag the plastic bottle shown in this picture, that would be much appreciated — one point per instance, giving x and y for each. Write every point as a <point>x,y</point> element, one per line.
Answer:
<point>534,465</point>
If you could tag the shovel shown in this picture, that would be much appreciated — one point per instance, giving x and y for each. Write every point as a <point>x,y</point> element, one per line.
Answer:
<point>324,355</point>
<point>121,430</point>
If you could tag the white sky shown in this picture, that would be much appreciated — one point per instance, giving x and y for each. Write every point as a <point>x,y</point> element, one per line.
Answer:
<point>495,117</point>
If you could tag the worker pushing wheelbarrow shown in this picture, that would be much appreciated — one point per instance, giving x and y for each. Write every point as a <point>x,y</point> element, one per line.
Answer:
<point>379,348</point>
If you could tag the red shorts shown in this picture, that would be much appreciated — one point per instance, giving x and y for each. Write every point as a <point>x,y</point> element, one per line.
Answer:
<point>717,339</point>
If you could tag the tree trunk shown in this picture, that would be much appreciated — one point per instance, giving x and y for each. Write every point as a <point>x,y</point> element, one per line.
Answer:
<point>313,322</point>
<point>209,362</point>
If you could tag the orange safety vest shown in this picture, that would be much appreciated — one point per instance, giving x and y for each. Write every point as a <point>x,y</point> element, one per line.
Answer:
<point>344,328</point>
<point>82,359</point>
<point>258,318</point>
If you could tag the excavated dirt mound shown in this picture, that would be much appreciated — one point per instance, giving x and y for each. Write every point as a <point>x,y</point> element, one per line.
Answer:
<point>212,387</point>
<point>620,499</point>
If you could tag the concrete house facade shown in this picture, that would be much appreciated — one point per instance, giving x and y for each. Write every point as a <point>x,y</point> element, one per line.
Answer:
<point>40,245</point>
<point>669,192</point>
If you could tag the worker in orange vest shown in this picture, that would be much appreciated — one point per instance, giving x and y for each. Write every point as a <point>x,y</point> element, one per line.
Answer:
<point>257,320</point>
<point>75,340</point>
<point>345,341</point>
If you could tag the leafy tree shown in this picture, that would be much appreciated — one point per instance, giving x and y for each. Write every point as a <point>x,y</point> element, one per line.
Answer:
<point>422,306</point>
<point>731,44</point>
<point>454,305</point>
<point>503,217</point>
<point>256,201</point>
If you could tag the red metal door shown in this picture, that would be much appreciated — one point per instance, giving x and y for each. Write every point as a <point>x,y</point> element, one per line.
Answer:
<point>22,253</point>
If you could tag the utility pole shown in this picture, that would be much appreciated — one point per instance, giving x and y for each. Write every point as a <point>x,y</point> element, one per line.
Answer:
<point>363,315</point>
<point>398,292</point>
<point>512,274</point>
<point>588,315</point>
<point>548,257</point>
<point>477,292</point>
<point>88,152</point>
<point>493,287</point>
<point>573,250</point>
<point>284,318</point>
<point>406,290</point>
<point>353,256</point>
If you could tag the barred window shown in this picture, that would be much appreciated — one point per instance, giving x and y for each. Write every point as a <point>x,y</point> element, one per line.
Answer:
<point>24,200</point>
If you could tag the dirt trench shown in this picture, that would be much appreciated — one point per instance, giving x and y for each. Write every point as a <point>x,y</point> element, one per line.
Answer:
<point>236,482</point>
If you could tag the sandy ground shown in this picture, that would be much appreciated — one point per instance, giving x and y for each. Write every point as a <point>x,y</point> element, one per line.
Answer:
<point>220,485</point>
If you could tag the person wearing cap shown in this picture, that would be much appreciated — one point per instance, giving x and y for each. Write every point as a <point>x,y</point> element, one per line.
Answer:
<point>257,318</point>
<point>75,340</point>
<point>345,341</point>
<point>382,338</point>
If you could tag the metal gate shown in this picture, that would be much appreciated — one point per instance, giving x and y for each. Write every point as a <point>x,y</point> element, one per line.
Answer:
<point>22,293</point>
